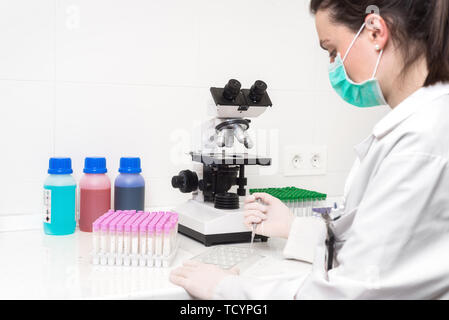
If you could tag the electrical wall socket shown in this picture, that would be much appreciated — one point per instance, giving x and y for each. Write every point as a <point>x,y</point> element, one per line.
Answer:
<point>305,161</point>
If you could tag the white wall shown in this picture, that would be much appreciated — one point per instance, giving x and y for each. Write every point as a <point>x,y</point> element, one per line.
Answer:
<point>119,77</point>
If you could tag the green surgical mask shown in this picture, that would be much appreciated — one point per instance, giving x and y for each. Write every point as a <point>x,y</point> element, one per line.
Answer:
<point>362,95</point>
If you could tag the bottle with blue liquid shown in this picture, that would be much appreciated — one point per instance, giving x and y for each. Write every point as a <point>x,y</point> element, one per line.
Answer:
<point>60,198</point>
<point>129,187</point>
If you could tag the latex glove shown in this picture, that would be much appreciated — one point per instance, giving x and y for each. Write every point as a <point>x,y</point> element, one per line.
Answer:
<point>198,279</point>
<point>272,216</point>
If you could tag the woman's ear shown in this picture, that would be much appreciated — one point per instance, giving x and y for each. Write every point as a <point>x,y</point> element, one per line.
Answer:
<point>378,31</point>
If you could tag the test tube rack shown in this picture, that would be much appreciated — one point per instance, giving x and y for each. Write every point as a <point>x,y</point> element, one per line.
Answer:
<point>130,238</point>
<point>300,201</point>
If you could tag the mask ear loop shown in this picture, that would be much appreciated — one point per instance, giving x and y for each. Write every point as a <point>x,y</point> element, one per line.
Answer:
<point>353,41</point>
<point>377,64</point>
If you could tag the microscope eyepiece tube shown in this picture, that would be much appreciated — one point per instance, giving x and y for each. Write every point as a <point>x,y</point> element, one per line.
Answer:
<point>232,89</point>
<point>257,91</point>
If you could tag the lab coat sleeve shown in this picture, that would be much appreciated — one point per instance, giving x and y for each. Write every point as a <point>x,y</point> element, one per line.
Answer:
<point>392,246</point>
<point>248,288</point>
<point>305,235</point>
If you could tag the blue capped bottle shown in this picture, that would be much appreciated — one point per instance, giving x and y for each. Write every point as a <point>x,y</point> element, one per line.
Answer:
<point>59,198</point>
<point>129,187</point>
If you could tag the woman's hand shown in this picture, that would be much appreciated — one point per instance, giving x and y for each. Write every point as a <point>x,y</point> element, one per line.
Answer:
<point>272,217</point>
<point>199,279</point>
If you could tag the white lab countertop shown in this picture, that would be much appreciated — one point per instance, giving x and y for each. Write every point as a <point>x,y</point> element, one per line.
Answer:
<point>37,266</point>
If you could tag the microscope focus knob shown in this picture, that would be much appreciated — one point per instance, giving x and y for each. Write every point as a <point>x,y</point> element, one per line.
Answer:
<point>186,181</point>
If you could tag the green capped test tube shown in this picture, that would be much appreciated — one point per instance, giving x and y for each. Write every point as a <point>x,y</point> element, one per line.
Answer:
<point>300,201</point>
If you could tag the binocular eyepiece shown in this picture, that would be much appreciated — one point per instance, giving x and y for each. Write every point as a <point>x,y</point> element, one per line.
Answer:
<point>256,93</point>
<point>232,89</point>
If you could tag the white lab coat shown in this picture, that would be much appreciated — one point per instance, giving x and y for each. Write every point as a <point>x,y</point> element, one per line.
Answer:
<point>393,230</point>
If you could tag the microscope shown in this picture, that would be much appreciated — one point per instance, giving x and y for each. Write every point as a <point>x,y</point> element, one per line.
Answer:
<point>214,215</point>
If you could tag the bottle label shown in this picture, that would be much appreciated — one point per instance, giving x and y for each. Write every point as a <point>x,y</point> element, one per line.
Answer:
<point>47,206</point>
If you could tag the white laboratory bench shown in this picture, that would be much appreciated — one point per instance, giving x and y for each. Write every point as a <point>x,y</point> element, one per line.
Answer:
<point>37,266</point>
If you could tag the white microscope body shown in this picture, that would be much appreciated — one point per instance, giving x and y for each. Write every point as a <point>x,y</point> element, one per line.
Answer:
<point>214,215</point>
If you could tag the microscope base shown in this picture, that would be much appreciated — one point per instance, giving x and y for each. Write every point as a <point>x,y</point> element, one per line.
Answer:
<point>219,239</point>
<point>209,226</point>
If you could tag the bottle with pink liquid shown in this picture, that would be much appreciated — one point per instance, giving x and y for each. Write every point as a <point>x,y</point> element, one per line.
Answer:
<point>95,192</point>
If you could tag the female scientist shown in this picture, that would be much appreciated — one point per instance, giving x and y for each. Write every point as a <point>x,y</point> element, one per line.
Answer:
<point>390,238</point>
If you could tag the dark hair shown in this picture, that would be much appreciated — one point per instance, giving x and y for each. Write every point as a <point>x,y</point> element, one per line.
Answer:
<point>418,27</point>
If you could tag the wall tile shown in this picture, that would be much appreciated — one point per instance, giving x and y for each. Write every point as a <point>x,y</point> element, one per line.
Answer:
<point>127,41</point>
<point>116,121</point>
<point>341,127</point>
<point>251,40</point>
<point>27,39</point>
<point>26,131</point>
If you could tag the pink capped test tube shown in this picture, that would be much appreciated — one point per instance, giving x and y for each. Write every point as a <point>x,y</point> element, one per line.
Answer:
<point>135,236</point>
<point>127,235</point>
<point>113,237</point>
<point>143,232</point>
<point>119,231</point>
<point>96,232</point>
<point>151,233</point>
<point>167,238</point>
<point>159,235</point>
<point>104,227</point>
<point>175,219</point>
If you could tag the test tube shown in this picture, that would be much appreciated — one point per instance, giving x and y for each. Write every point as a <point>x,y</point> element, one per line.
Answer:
<point>296,206</point>
<point>175,219</point>
<point>151,229</point>
<point>135,238</point>
<point>104,240</point>
<point>306,205</point>
<point>143,251</point>
<point>312,205</point>
<point>159,238</point>
<point>300,203</point>
<point>169,242</point>
<point>173,235</point>
<point>316,203</point>
<point>167,245</point>
<point>120,237</point>
<point>127,235</point>
<point>96,233</point>
<point>113,238</point>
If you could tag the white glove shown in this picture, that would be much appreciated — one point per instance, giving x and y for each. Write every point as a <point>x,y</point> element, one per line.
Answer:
<point>272,216</point>
<point>198,279</point>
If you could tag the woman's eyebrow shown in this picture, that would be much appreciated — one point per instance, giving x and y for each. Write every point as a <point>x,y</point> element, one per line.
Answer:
<point>322,44</point>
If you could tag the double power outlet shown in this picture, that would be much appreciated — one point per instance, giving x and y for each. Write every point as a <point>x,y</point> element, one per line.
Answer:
<point>305,161</point>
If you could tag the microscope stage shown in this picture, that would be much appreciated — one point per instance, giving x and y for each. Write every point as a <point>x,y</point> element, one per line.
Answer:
<point>230,159</point>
